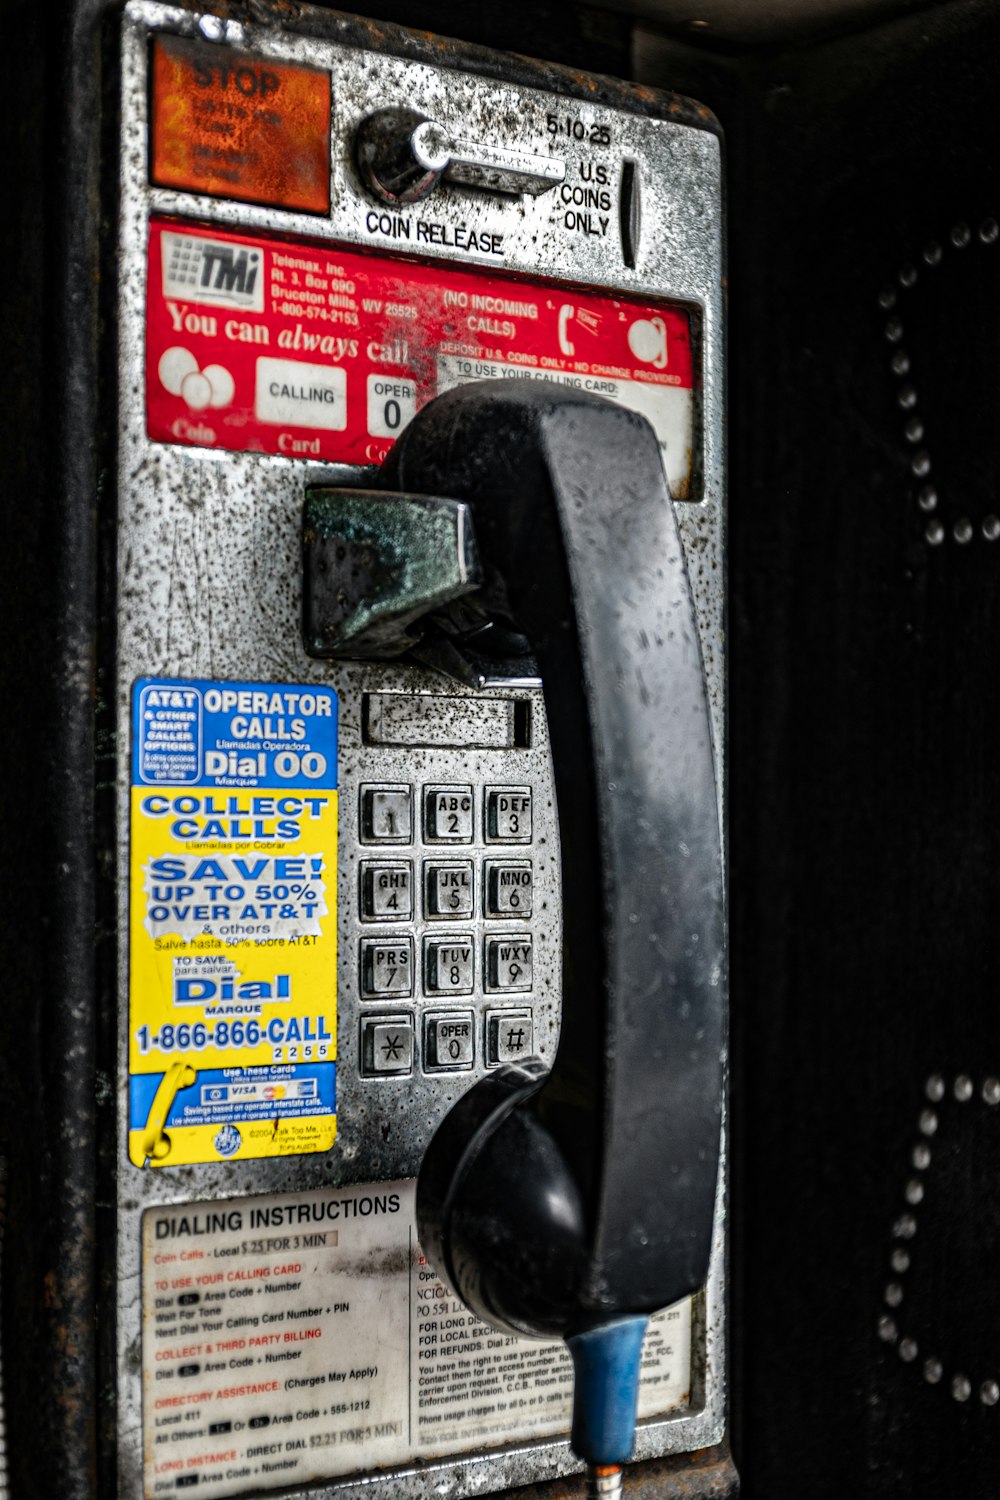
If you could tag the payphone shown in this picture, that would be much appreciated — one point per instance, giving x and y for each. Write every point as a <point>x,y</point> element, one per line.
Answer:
<point>341,865</point>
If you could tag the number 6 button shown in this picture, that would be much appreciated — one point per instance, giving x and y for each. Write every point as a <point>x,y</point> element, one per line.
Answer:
<point>508,888</point>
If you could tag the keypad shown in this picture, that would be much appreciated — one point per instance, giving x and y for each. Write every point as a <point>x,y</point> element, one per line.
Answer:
<point>459,919</point>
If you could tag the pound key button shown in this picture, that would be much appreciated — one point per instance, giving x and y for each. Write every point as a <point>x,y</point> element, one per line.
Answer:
<point>509,1036</point>
<point>387,1046</point>
<point>449,1041</point>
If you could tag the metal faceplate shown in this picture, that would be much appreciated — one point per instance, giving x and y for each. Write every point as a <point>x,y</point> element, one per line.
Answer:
<point>209,587</point>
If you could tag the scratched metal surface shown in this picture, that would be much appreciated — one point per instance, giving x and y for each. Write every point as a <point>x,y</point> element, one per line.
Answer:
<point>209,586</point>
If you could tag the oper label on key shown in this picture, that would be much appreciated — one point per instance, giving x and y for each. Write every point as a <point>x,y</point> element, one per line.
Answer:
<point>449,1041</point>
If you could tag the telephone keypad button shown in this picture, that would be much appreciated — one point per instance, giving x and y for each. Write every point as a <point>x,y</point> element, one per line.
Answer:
<point>507,888</point>
<point>449,966</point>
<point>448,889</point>
<point>508,1036</point>
<point>386,815</point>
<point>448,814</point>
<point>449,1041</point>
<point>386,1046</point>
<point>508,963</point>
<point>508,815</point>
<point>386,968</point>
<point>386,891</point>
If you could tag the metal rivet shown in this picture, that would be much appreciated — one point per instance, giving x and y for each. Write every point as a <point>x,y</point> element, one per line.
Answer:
<point>963,1088</point>
<point>927,497</point>
<point>900,362</point>
<point>934,1088</point>
<point>928,1122</point>
<point>962,531</point>
<point>933,1370</point>
<point>991,1091</point>
<point>961,1387</point>
<point>907,397</point>
<point>933,253</point>
<point>887,1329</point>
<point>989,1393</point>
<point>905,1227</point>
<point>991,528</point>
<point>907,275</point>
<point>920,464</point>
<point>935,533</point>
<point>894,1294</point>
<point>887,298</point>
<point>989,229</point>
<point>894,330</point>
<point>921,1156</point>
<point>914,1191</point>
<point>914,430</point>
<point>908,1350</point>
<point>960,236</point>
<point>900,1260</point>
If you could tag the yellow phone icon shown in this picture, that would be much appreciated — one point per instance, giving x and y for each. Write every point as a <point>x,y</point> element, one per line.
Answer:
<point>155,1140</point>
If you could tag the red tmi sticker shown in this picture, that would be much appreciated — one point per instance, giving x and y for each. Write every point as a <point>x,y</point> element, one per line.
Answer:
<point>316,351</point>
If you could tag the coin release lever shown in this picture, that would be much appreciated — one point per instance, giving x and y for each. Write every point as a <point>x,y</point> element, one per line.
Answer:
<point>402,156</point>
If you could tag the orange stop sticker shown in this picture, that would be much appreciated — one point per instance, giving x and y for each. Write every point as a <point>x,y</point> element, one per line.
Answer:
<point>239,126</point>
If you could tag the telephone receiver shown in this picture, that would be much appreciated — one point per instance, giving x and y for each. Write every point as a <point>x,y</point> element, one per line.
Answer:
<point>573,1203</point>
<point>155,1141</point>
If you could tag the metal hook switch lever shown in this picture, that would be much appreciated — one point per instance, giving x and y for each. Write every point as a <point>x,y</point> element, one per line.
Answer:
<point>403,155</point>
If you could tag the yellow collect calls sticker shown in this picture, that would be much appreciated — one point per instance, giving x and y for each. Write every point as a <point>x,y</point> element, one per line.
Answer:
<point>233,922</point>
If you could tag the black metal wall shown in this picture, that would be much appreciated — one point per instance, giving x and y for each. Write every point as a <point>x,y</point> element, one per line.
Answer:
<point>865,604</point>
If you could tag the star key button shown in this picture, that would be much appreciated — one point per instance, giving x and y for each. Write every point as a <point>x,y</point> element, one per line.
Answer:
<point>387,1046</point>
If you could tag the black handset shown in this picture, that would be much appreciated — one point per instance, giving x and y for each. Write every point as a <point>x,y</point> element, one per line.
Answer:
<point>560,1203</point>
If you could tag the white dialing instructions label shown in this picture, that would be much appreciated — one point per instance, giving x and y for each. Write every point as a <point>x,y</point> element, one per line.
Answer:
<point>301,1336</point>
